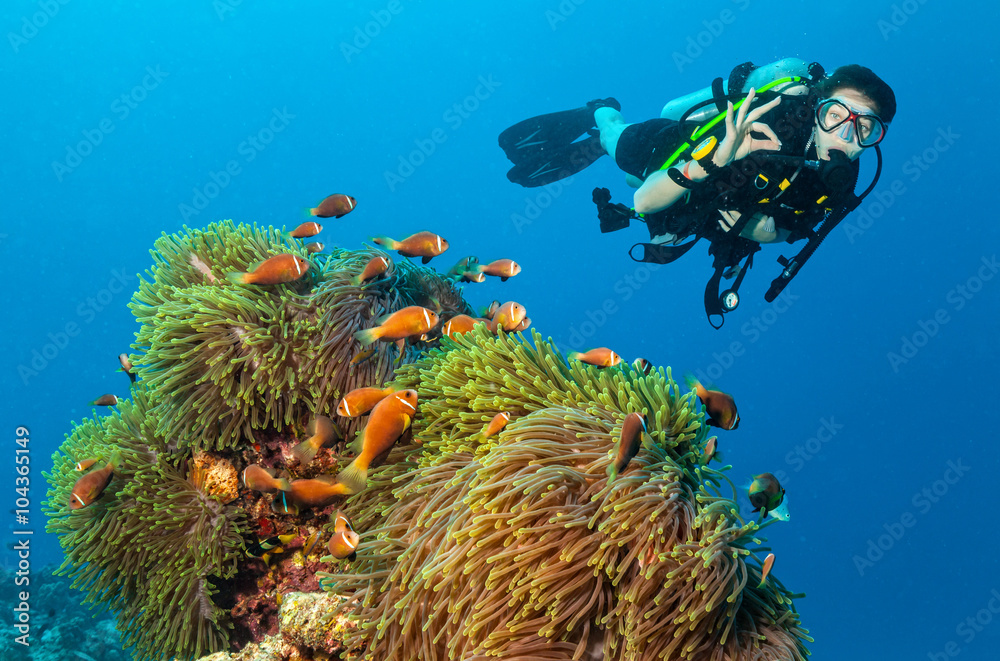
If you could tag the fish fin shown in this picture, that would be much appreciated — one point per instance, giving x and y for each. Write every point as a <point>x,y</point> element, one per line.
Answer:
<point>326,479</point>
<point>358,443</point>
<point>503,278</point>
<point>283,484</point>
<point>304,452</point>
<point>425,260</point>
<point>354,477</point>
<point>237,278</point>
<point>367,336</point>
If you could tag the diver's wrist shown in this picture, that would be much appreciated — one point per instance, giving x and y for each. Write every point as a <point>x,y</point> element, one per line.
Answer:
<point>694,171</point>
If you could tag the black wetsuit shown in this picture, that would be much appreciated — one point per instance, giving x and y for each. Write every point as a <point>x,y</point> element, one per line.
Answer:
<point>749,185</point>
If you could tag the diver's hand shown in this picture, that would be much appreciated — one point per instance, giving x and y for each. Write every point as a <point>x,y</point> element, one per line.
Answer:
<point>738,142</point>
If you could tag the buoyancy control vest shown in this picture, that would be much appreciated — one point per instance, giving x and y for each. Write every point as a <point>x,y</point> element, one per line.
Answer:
<point>805,196</point>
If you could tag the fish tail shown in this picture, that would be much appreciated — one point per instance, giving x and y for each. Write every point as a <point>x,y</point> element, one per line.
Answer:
<point>237,278</point>
<point>304,452</point>
<point>354,477</point>
<point>612,471</point>
<point>367,336</point>
<point>116,460</point>
<point>691,381</point>
<point>573,355</point>
<point>762,583</point>
<point>283,484</point>
<point>385,241</point>
<point>356,280</point>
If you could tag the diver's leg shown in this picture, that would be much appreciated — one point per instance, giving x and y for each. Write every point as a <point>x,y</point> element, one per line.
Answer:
<point>611,124</point>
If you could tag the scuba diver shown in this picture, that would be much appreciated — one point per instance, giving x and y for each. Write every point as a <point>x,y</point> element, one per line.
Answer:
<point>768,155</point>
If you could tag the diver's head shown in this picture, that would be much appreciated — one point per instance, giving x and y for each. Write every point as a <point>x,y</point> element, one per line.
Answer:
<point>854,111</point>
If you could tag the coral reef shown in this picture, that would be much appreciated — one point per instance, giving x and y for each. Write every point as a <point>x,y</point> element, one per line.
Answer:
<point>58,622</point>
<point>515,546</point>
<point>519,547</point>
<point>229,375</point>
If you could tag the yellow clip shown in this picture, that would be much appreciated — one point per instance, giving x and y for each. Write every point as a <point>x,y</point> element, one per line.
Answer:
<point>764,201</point>
<point>784,184</point>
<point>798,211</point>
<point>822,199</point>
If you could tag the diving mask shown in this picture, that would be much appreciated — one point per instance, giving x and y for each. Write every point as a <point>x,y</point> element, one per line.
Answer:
<point>832,114</point>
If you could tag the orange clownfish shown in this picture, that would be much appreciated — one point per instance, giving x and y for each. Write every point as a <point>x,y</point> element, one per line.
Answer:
<point>632,434</point>
<point>498,422</point>
<point>508,316</point>
<point>470,276</point>
<point>90,487</point>
<point>421,244</point>
<point>710,449</point>
<point>375,267</point>
<point>314,247</point>
<point>362,400</point>
<point>642,365</point>
<point>262,479</point>
<point>318,492</point>
<point>126,366</point>
<point>460,323</point>
<point>720,406</point>
<point>105,400</point>
<point>501,268</point>
<point>766,569</point>
<point>305,230</point>
<point>274,271</point>
<point>84,464</point>
<point>334,206</point>
<point>344,542</point>
<point>323,431</point>
<point>389,419</point>
<point>599,357</point>
<point>410,321</point>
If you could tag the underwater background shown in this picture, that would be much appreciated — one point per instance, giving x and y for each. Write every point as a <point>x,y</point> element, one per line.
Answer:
<point>869,389</point>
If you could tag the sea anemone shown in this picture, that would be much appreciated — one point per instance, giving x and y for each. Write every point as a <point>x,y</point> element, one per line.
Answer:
<point>226,359</point>
<point>155,547</point>
<point>229,375</point>
<point>519,546</point>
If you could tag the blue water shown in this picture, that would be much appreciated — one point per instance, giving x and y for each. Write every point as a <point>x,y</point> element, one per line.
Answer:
<point>176,96</point>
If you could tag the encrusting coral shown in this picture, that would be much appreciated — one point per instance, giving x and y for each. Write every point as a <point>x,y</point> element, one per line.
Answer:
<point>229,375</point>
<point>518,547</point>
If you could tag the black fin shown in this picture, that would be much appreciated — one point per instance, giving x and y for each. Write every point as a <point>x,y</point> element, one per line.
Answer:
<point>554,146</point>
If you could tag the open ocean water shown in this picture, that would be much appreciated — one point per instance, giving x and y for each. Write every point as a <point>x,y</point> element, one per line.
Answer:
<point>870,387</point>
